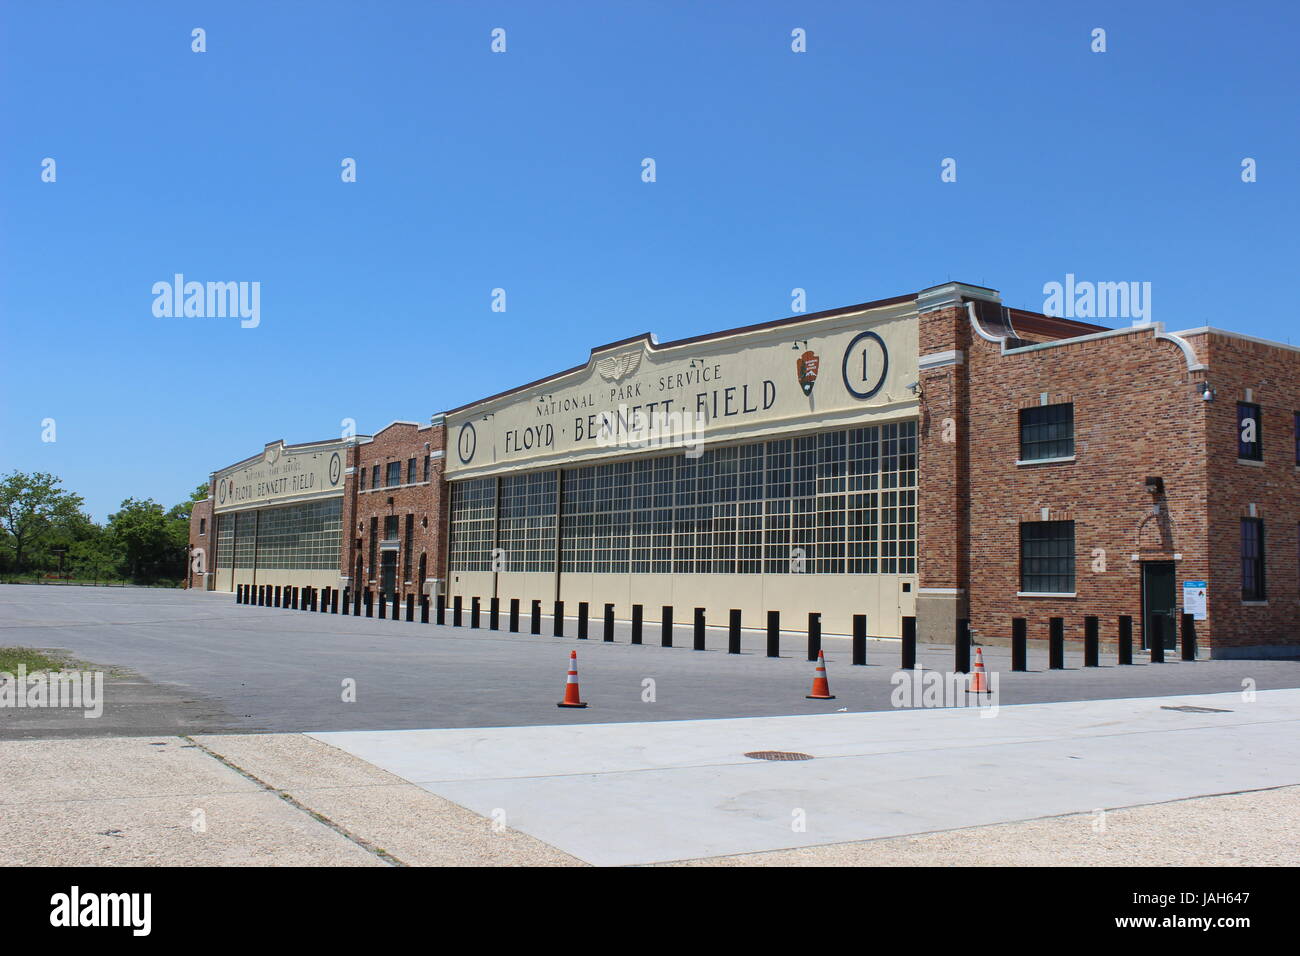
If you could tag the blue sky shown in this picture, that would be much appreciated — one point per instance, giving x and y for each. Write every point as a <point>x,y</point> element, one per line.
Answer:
<point>522,171</point>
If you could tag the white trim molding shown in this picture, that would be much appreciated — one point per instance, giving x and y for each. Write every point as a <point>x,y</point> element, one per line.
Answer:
<point>941,359</point>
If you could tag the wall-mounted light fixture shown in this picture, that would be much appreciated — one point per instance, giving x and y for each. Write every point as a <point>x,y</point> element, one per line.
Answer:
<point>1207,392</point>
<point>1155,485</point>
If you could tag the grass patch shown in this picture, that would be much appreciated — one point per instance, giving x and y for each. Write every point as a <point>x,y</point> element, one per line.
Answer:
<point>33,660</point>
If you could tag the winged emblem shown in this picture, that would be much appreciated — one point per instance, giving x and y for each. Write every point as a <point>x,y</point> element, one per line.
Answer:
<point>618,367</point>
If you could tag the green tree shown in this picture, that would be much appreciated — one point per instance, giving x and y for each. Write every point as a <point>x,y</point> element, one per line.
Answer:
<point>146,540</point>
<point>32,508</point>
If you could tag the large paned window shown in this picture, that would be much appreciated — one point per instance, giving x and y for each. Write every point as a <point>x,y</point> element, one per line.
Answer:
<point>473,520</point>
<point>1250,440</point>
<point>834,503</point>
<point>1047,557</point>
<point>301,537</point>
<point>1252,560</point>
<point>1047,431</point>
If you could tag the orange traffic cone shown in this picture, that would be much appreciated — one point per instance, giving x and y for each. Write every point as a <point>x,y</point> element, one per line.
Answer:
<point>978,683</point>
<point>821,689</point>
<point>571,684</point>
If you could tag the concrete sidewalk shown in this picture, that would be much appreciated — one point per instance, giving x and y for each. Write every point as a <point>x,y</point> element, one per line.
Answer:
<point>1213,785</point>
<point>287,799</point>
<point>617,794</point>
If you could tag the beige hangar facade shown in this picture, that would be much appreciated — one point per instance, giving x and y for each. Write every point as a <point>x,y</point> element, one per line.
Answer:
<point>771,467</point>
<point>277,517</point>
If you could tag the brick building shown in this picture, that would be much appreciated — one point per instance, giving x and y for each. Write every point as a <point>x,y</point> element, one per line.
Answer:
<point>1118,472</point>
<point>934,455</point>
<point>393,512</point>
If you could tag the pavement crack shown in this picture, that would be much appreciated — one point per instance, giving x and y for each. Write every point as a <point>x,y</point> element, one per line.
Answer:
<point>288,798</point>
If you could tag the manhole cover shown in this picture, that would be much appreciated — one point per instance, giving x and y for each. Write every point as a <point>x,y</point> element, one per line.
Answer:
<point>1189,709</point>
<point>777,755</point>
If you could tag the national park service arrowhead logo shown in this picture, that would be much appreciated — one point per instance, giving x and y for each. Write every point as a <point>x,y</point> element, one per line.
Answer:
<point>806,366</point>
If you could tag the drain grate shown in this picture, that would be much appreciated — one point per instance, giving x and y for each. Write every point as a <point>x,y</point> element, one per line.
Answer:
<point>777,755</point>
<point>1190,709</point>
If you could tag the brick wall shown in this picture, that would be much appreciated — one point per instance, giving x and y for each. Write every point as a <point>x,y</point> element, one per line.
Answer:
<point>422,500</point>
<point>1272,374</point>
<point>201,517</point>
<point>1137,413</point>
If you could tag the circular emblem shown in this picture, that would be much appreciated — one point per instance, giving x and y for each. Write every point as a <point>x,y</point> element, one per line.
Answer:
<point>866,363</point>
<point>221,491</point>
<point>336,468</point>
<point>467,443</point>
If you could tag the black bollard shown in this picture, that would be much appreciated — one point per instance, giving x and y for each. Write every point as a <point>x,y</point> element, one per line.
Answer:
<point>440,609</point>
<point>1125,642</point>
<point>514,615</point>
<point>1056,643</point>
<point>814,635</point>
<point>1156,639</point>
<point>1189,637</point>
<point>557,620</point>
<point>733,631</point>
<point>860,639</point>
<point>494,614</point>
<point>475,612</point>
<point>773,633</point>
<point>666,626</point>
<point>961,647</point>
<point>908,661</point>
<point>457,606</point>
<point>297,594</point>
<point>334,602</point>
<point>347,599</point>
<point>1091,641</point>
<point>410,608</point>
<point>1019,644</point>
<point>356,603</point>
<point>383,607</point>
<point>636,623</point>
<point>583,609</point>
<point>536,622</point>
<point>325,601</point>
<point>609,624</point>
<point>260,595</point>
<point>397,607</point>
<point>424,609</point>
<point>370,603</point>
<point>279,602</point>
<point>699,629</point>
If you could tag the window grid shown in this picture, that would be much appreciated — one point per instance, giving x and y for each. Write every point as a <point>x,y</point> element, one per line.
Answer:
<point>473,517</point>
<point>1047,431</point>
<point>1250,437</point>
<point>1252,560</point>
<point>1047,557</point>
<point>846,499</point>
